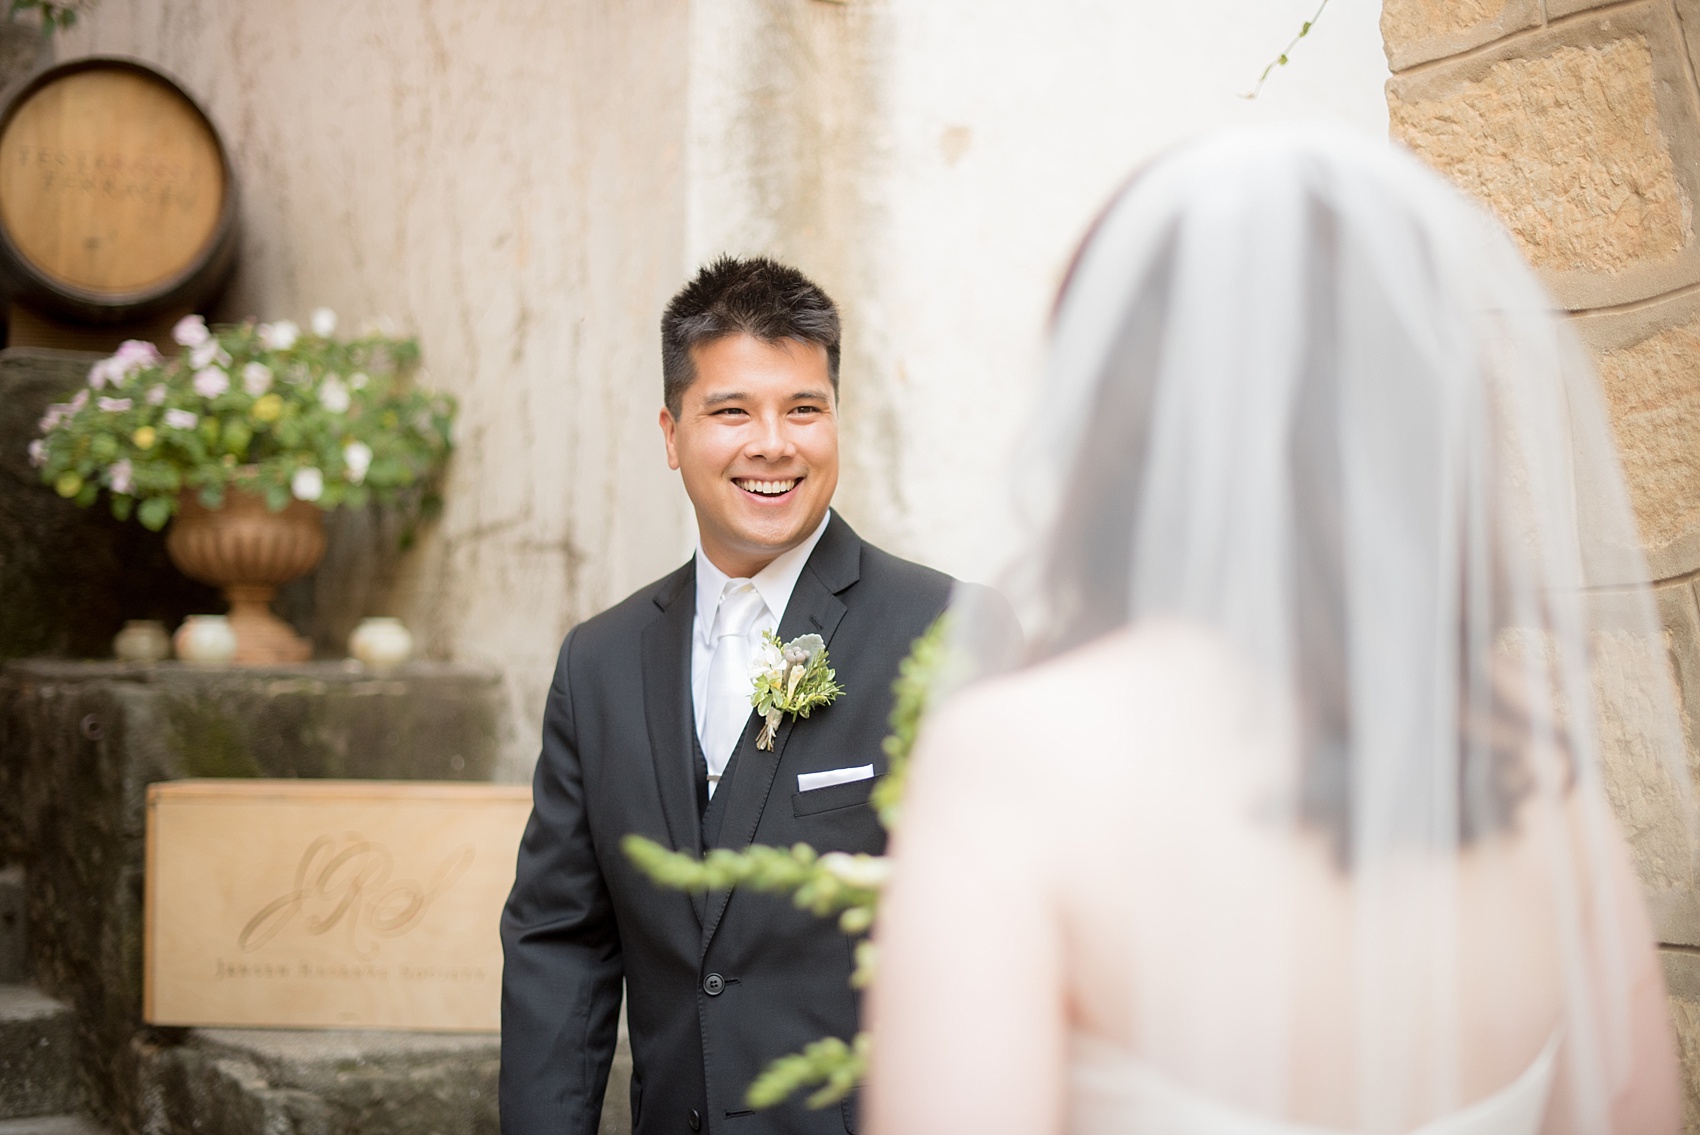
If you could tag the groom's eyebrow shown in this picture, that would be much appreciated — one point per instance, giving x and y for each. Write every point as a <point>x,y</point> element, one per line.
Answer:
<point>710,400</point>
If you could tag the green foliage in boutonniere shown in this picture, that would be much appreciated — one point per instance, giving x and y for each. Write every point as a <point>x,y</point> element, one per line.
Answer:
<point>790,677</point>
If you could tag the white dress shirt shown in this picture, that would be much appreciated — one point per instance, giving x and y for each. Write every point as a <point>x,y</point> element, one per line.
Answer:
<point>774,583</point>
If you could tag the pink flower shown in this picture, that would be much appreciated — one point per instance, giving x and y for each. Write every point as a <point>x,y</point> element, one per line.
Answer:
<point>256,379</point>
<point>307,484</point>
<point>208,353</point>
<point>357,456</point>
<point>134,354</point>
<point>279,336</point>
<point>120,476</point>
<point>38,453</point>
<point>156,396</point>
<point>191,331</point>
<point>113,405</point>
<point>333,395</point>
<point>75,405</point>
<point>181,419</point>
<point>107,372</point>
<point>56,413</point>
<point>210,382</point>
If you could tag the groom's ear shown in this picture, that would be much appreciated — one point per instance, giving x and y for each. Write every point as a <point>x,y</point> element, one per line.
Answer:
<point>668,431</point>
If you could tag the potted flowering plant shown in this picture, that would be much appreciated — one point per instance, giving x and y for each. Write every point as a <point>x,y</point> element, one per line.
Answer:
<point>244,436</point>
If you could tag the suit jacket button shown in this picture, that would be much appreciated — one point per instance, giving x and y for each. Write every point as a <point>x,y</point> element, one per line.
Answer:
<point>713,985</point>
<point>695,1120</point>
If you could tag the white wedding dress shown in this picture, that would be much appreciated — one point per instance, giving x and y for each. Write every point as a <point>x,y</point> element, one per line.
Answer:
<point>1111,1091</point>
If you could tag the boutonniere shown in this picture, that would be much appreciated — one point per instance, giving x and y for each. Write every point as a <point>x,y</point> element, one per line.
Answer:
<point>790,677</point>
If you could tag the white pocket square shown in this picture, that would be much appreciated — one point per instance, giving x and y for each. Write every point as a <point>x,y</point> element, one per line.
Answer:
<point>809,781</point>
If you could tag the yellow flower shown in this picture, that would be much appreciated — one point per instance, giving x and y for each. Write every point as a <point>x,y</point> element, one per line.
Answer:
<point>268,408</point>
<point>68,484</point>
<point>144,438</point>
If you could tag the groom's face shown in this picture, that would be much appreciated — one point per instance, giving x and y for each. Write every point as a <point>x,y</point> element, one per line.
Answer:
<point>756,442</point>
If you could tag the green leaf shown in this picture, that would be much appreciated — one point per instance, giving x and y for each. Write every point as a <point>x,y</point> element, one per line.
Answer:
<point>122,506</point>
<point>836,1066</point>
<point>236,437</point>
<point>154,512</point>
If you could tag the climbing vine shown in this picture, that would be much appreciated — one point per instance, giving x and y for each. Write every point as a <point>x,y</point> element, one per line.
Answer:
<point>1281,59</point>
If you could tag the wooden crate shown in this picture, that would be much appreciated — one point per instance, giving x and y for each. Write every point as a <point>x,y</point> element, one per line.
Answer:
<point>328,903</point>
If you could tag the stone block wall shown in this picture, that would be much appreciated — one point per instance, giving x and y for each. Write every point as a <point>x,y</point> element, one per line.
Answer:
<point>1578,123</point>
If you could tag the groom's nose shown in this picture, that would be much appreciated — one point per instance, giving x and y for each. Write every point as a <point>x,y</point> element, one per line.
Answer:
<point>769,439</point>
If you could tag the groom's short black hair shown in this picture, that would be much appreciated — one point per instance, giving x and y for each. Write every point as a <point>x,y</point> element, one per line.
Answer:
<point>754,296</point>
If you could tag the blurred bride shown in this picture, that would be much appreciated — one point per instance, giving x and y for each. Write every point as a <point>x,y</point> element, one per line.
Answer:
<point>1291,818</point>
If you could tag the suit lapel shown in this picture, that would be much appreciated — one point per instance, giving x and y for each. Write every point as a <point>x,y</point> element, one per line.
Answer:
<point>666,648</point>
<point>814,609</point>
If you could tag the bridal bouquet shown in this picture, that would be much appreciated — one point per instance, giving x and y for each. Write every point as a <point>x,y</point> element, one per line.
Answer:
<point>262,408</point>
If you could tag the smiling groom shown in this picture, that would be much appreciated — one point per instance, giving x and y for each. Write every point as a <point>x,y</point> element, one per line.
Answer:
<point>649,729</point>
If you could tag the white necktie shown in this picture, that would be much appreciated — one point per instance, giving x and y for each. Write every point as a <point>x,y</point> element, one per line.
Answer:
<point>728,708</point>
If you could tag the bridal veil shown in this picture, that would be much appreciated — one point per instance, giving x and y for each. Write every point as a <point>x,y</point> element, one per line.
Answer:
<point>1304,394</point>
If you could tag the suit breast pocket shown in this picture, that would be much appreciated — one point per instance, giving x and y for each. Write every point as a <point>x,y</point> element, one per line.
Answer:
<point>838,818</point>
<point>833,798</point>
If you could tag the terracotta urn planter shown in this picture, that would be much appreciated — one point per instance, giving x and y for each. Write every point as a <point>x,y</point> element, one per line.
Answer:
<point>248,551</point>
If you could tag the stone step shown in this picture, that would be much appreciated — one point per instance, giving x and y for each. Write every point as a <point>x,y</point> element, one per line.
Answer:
<point>310,1082</point>
<point>14,951</point>
<point>37,1054</point>
<point>51,1125</point>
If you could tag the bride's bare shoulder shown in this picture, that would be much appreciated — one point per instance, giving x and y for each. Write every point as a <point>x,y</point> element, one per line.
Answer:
<point>1139,677</point>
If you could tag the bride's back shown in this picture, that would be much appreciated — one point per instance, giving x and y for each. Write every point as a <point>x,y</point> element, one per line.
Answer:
<point>1207,935</point>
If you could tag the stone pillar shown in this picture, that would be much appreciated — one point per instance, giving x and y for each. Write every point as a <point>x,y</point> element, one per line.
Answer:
<point>1578,123</point>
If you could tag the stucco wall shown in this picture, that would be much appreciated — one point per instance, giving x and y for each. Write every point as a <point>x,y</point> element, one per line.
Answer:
<point>504,179</point>
<point>956,156</point>
<point>524,182</point>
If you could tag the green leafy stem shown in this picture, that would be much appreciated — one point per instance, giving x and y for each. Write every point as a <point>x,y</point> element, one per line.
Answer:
<point>836,883</point>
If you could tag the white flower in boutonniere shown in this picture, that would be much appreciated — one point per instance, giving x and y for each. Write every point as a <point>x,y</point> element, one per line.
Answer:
<point>790,677</point>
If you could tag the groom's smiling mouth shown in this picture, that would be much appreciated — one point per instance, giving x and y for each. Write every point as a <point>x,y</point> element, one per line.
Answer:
<point>772,488</point>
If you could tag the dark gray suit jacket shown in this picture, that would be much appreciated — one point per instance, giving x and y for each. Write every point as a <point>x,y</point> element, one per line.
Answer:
<point>718,985</point>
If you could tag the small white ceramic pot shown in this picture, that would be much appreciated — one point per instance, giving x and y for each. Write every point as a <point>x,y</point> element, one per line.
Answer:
<point>381,644</point>
<point>142,640</point>
<point>206,640</point>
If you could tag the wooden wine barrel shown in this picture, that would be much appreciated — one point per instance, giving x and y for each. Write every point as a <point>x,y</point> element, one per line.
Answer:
<point>117,200</point>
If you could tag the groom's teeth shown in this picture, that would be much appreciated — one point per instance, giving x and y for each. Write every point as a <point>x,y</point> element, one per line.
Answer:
<point>770,488</point>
